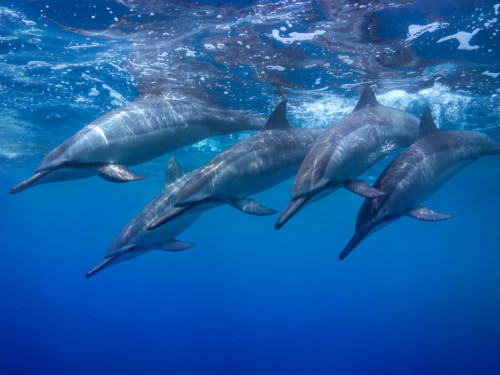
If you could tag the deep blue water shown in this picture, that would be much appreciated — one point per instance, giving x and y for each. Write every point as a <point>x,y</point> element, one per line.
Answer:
<point>414,298</point>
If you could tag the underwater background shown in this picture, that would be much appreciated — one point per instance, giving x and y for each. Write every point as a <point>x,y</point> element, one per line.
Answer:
<point>414,298</point>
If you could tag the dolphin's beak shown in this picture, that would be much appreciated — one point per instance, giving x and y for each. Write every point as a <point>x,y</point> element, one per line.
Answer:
<point>29,182</point>
<point>354,242</point>
<point>105,263</point>
<point>290,210</point>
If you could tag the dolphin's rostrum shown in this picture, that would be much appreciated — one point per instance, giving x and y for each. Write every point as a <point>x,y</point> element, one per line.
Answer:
<point>415,174</point>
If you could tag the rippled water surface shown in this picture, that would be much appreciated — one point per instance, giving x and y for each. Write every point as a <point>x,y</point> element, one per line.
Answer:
<point>414,298</point>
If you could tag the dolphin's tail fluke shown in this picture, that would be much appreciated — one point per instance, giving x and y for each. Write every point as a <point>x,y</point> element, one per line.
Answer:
<point>353,243</point>
<point>290,210</point>
<point>35,180</point>
<point>105,263</point>
<point>174,212</point>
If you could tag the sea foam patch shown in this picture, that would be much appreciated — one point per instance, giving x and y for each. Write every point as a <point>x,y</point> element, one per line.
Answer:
<point>463,38</point>
<point>414,31</point>
<point>296,37</point>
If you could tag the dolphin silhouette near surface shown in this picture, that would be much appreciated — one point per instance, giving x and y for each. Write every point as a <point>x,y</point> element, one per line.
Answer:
<point>348,148</point>
<point>134,240</point>
<point>133,134</point>
<point>246,168</point>
<point>417,173</point>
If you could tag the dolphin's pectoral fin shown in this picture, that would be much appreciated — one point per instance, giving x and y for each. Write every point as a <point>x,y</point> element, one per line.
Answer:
<point>118,173</point>
<point>251,206</point>
<point>362,188</point>
<point>426,214</point>
<point>173,245</point>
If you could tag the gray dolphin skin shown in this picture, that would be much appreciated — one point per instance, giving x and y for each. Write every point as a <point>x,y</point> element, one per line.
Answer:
<point>248,167</point>
<point>348,148</point>
<point>133,134</point>
<point>415,174</point>
<point>134,240</point>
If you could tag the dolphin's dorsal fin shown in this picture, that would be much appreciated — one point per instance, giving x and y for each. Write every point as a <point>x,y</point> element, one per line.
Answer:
<point>277,120</point>
<point>427,125</point>
<point>174,171</point>
<point>366,99</point>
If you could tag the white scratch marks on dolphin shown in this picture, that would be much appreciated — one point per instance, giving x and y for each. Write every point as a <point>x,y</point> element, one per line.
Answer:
<point>99,131</point>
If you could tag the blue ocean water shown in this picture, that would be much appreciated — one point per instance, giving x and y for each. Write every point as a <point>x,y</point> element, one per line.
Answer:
<point>415,297</point>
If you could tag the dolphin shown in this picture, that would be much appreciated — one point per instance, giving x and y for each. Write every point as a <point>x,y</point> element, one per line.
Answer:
<point>134,240</point>
<point>133,134</point>
<point>248,167</point>
<point>417,173</point>
<point>348,148</point>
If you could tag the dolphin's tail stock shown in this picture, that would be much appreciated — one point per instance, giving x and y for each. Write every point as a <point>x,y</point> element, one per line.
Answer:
<point>105,263</point>
<point>293,207</point>
<point>35,180</point>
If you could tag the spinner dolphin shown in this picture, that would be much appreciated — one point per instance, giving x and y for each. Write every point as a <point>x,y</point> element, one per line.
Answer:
<point>348,148</point>
<point>417,173</point>
<point>133,134</point>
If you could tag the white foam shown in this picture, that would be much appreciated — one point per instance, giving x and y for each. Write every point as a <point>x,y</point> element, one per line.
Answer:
<point>449,108</point>
<point>189,53</point>
<point>120,100</point>
<point>80,46</point>
<point>209,47</point>
<point>279,68</point>
<point>463,38</point>
<point>490,74</point>
<point>296,37</point>
<point>5,12</point>
<point>491,22</point>
<point>39,64</point>
<point>93,92</point>
<point>345,59</point>
<point>414,31</point>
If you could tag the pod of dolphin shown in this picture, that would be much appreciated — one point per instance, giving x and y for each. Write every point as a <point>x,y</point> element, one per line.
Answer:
<point>322,160</point>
